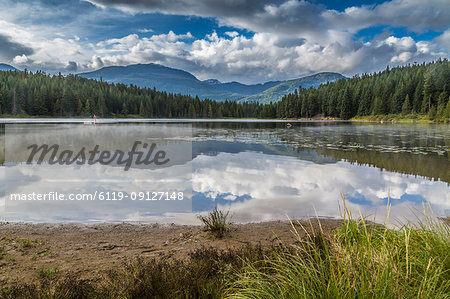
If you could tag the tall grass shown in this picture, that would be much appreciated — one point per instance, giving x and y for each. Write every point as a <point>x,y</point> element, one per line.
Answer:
<point>359,260</point>
<point>216,222</point>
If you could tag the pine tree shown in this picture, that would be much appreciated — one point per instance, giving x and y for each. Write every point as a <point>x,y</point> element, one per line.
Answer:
<point>101,106</point>
<point>14,106</point>
<point>406,109</point>
<point>79,107</point>
<point>125,110</point>
<point>142,110</point>
<point>87,108</point>
<point>442,101</point>
<point>191,113</point>
<point>58,108</point>
<point>210,111</point>
<point>447,111</point>
<point>432,113</point>
<point>346,105</point>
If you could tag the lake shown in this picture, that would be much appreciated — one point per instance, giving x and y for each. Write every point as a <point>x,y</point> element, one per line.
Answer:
<point>258,170</point>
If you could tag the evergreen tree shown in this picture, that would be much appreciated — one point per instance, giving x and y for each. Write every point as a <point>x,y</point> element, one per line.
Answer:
<point>142,110</point>
<point>191,113</point>
<point>406,109</point>
<point>346,105</point>
<point>87,108</point>
<point>101,106</point>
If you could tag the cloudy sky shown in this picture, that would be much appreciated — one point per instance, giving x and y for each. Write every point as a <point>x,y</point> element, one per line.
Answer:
<point>244,40</point>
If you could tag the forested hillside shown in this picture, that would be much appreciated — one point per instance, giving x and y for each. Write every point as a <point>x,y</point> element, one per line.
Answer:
<point>39,94</point>
<point>276,93</point>
<point>412,89</point>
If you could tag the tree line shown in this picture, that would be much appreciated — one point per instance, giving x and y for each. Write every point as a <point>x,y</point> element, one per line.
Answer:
<point>411,89</point>
<point>39,94</point>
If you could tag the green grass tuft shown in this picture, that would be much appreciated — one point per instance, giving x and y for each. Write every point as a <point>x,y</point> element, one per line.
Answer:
<point>216,222</point>
<point>49,273</point>
<point>359,260</point>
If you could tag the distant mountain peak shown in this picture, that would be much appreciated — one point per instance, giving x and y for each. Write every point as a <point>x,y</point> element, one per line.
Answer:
<point>179,81</point>
<point>7,67</point>
<point>276,93</point>
<point>212,81</point>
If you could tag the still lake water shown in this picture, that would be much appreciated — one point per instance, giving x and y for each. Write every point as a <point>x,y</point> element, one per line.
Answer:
<point>264,170</point>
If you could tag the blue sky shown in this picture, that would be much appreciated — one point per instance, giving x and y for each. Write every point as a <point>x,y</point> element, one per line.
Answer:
<point>244,40</point>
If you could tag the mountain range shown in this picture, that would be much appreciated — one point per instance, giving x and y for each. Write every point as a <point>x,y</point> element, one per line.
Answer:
<point>178,81</point>
<point>7,67</point>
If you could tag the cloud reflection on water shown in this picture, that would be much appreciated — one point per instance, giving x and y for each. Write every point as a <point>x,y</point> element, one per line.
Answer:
<point>259,174</point>
<point>279,186</point>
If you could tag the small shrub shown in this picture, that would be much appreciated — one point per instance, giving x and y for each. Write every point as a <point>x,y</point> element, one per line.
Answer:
<point>202,275</point>
<point>216,222</point>
<point>69,288</point>
<point>27,244</point>
<point>48,273</point>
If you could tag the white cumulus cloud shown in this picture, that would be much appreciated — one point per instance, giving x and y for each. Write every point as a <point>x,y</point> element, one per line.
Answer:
<point>20,59</point>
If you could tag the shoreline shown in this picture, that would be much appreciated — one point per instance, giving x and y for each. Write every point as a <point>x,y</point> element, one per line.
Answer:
<point>419,119</point>
<point>388,119</point>
<point>131,118</point>
<point>88,250</point>
<point>136,261</point>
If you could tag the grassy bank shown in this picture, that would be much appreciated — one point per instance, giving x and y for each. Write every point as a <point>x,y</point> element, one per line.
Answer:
<point>399,118</point>
<point>358,260</point>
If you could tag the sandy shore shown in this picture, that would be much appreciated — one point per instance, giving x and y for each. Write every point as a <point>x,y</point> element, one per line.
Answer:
<point>86,251</point>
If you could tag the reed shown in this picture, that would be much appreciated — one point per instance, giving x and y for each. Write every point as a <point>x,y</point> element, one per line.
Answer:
<point>361,259</point>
